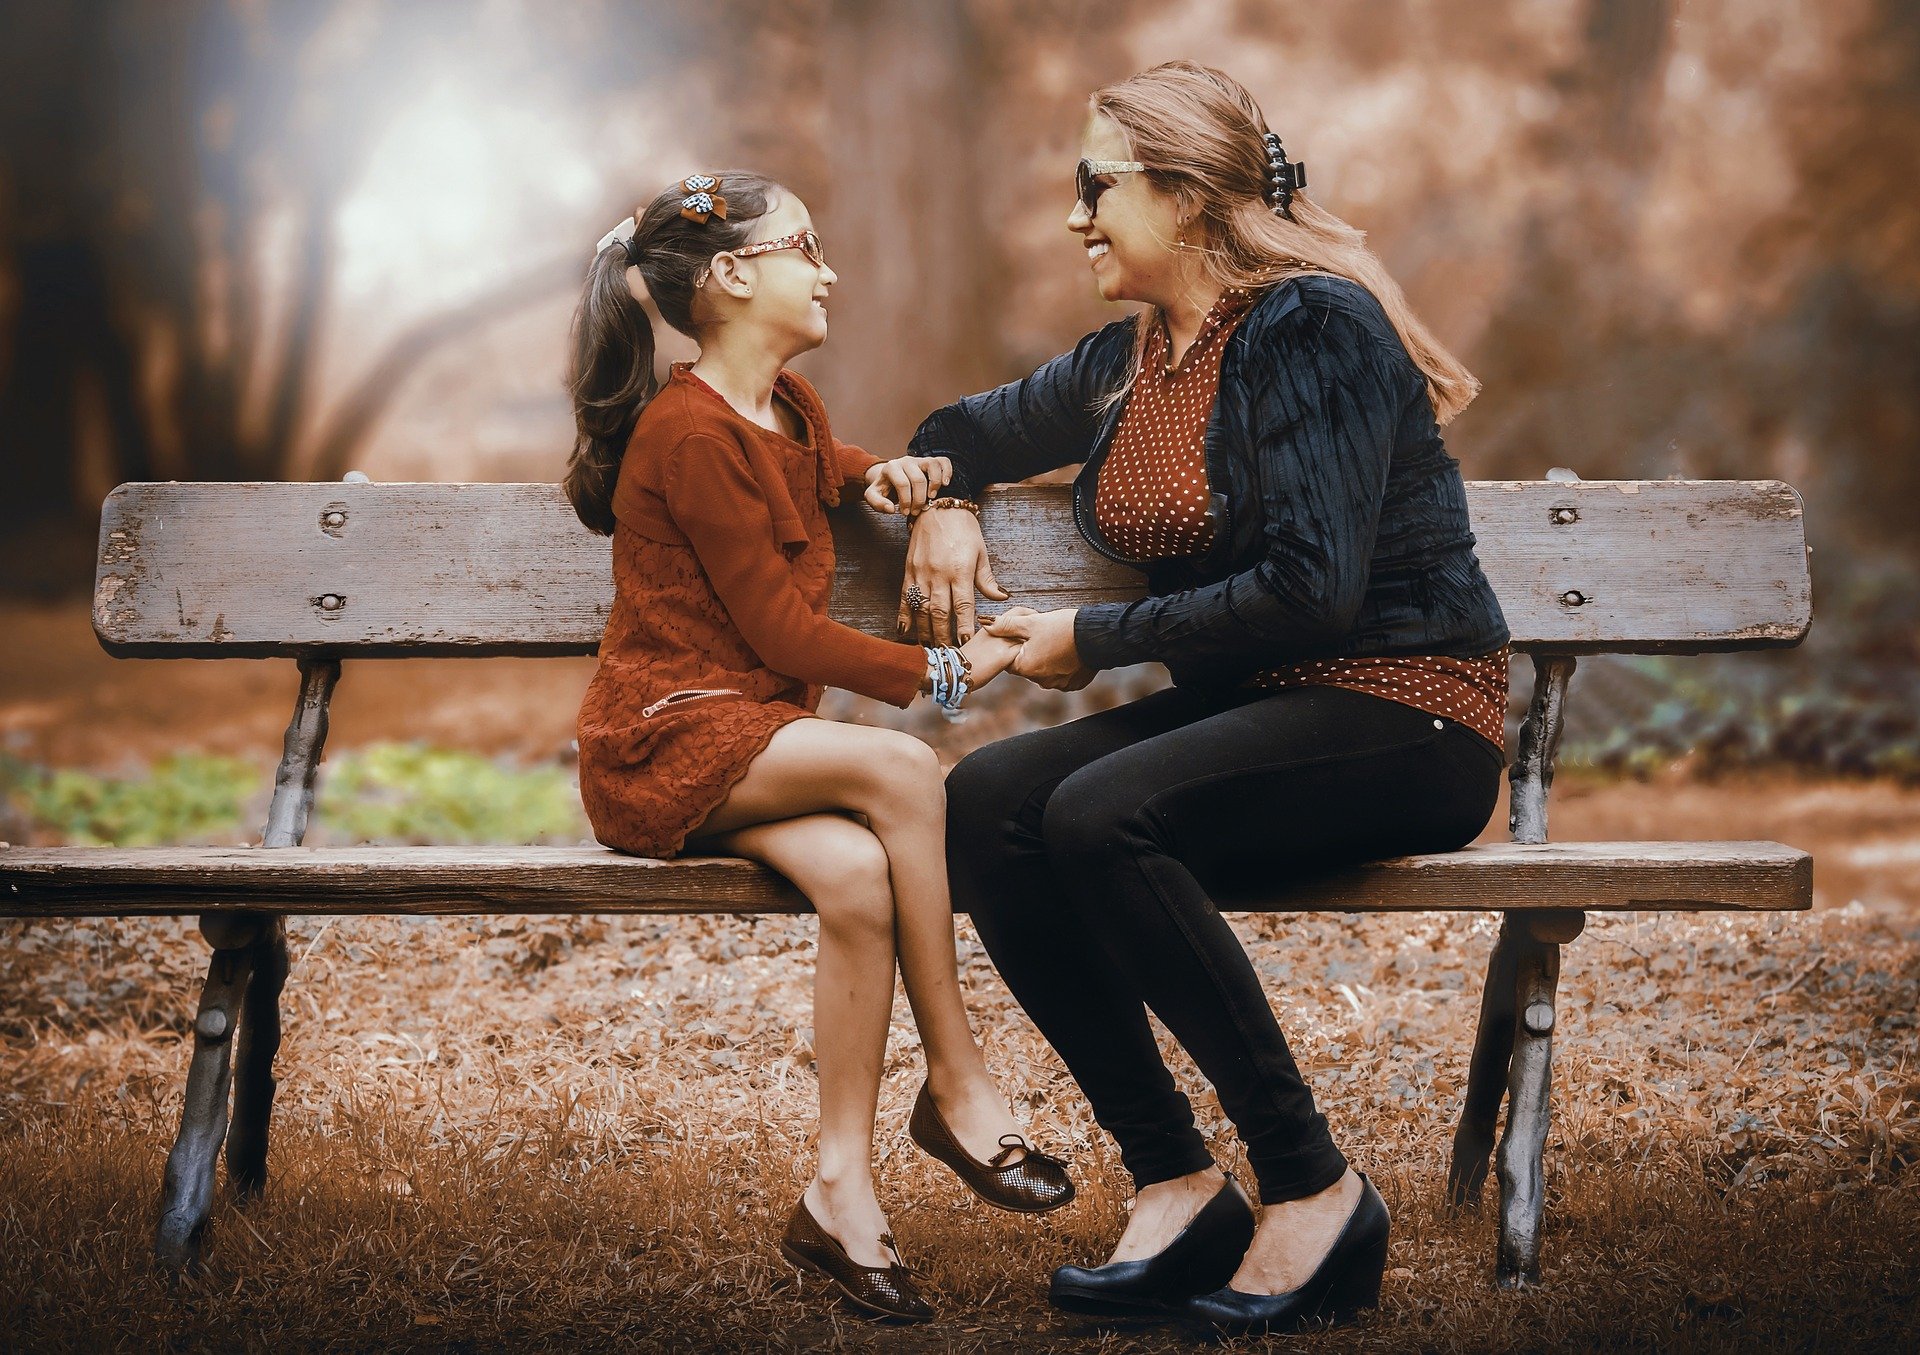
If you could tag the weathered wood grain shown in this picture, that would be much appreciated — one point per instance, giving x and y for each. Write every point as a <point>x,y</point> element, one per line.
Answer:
<point>74,882</point>
<point>256,570</point>
<point>187,1187</point>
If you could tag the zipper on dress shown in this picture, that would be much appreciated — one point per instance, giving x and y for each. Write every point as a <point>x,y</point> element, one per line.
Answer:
<point>686,694</point>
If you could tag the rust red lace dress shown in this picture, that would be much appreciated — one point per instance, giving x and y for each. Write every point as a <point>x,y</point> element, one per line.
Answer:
<point>718,636</point>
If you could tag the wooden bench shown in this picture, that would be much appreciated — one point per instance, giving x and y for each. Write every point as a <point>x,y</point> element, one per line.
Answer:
<point>326,572</point>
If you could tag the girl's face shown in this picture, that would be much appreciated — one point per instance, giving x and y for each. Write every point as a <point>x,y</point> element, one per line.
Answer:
<point>788,290</point>
<point>1130,234</point>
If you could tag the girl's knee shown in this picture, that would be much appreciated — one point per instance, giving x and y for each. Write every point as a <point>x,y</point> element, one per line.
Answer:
<point>901,770</point>
<point>850,882</point>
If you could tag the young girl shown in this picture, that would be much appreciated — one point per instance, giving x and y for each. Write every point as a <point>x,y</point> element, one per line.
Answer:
<point>698,729</point>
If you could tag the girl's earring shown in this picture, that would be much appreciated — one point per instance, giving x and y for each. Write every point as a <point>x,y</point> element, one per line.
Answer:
<point>1183,232</point>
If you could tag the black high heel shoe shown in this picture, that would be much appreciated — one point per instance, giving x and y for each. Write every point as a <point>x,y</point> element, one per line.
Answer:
<point>1346,1280</point>
<point>1203,1256</point>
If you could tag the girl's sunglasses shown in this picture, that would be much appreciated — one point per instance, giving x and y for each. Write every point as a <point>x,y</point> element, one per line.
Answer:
<point>1086,180</point>
<point>805,241</point>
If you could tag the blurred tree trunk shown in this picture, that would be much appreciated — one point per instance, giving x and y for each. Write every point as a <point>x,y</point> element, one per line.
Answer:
<point>146,149</point>
<point>1549,384</point>
<point>69,352</point>
<point>916,315</point>
<point>67,365</point>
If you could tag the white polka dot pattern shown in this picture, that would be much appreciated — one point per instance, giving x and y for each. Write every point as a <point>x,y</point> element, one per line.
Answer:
<point>1472,691</point>
<point>1151,498</point>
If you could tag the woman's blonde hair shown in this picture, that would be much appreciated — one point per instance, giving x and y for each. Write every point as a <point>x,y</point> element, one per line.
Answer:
<point>1202,136</point>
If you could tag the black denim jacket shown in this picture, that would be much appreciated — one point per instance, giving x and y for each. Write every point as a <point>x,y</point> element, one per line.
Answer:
<point>1340,521</point>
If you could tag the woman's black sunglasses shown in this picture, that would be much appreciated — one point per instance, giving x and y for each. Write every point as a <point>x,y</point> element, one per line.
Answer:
<point>1086,180</point>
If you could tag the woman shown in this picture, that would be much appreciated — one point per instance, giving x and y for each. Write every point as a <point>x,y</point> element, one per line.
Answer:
<point>1262,442</point>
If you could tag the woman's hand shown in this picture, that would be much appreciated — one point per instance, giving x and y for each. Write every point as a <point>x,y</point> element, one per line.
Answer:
<point>904,484</point>
<point>946,561</point>
<point>1047,653</point>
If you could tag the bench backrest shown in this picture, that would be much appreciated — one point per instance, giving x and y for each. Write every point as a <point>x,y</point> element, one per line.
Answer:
<point>198,570</point>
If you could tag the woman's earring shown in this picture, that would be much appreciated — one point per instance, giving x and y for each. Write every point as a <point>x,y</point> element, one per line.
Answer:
<point>1183,232</point>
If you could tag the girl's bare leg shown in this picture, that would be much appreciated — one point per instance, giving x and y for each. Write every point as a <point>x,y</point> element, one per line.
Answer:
<point>842,868</point>
<point>895,781</point>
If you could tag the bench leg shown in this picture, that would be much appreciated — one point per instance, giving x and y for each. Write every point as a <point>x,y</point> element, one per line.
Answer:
<point>188,1193</point>
<point>242,994</point>
<point>1486,1075</point>
<point>1529,1082</point>
<point>258,1042</point>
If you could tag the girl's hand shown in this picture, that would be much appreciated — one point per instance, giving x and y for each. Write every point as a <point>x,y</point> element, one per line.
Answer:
<point>904,484</point>
<point>1047,653</point>
<point>990,656</point>
<point>946,560</point>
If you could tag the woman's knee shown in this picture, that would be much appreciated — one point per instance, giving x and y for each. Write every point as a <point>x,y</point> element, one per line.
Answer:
<point>985,789</point>
<point>1090,821</point>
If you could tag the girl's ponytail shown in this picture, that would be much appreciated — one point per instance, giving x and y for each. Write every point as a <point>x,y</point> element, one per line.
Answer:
<point>612,377</point>
<point>612,380</point>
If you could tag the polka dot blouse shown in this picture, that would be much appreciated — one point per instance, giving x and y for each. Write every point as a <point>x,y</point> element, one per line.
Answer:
<point>1150,502</point>
<point>1472,691</point>
<point>1151,498</point>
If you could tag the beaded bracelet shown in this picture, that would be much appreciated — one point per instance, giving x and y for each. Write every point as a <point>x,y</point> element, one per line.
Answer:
<point>947,672</point>
<point>967,504</point>
<point>961,670</point>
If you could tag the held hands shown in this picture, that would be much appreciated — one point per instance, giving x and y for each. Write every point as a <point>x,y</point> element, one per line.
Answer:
<point>990,655</point>
<point>1046,653</point>
<point>994,650</point>
<point>904,484</point>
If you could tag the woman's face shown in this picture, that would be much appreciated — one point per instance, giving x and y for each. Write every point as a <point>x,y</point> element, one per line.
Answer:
<point>1130,234</point>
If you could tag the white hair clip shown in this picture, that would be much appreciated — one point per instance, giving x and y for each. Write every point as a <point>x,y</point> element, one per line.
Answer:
<point>619,235</point>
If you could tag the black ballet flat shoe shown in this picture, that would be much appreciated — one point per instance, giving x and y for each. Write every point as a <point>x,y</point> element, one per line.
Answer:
<point>1033,1185</point>
<point>1203,1257</point>
<point>1346,1281</point>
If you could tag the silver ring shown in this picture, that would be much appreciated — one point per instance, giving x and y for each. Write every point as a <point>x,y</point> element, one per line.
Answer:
<point>915,598</point>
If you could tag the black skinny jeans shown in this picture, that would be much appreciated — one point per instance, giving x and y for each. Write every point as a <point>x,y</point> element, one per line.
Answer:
<point>1085,853</point>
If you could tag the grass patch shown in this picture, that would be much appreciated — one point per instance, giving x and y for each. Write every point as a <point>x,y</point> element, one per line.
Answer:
<point>183,798</point>
<point>373,1237</point>
<point>382,793</point>
<point>414,793</point>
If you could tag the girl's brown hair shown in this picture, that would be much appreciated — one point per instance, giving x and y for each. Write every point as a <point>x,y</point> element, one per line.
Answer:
<point>612,376</point>
<point>1202,135</point>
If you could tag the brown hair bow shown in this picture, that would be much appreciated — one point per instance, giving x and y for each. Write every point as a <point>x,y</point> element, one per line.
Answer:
<point>701,202</point>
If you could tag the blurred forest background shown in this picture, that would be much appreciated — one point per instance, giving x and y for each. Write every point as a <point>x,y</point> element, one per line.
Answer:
<point>288,238</point>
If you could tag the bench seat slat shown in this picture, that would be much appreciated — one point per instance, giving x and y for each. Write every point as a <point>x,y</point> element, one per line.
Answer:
<point>104,881</point>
